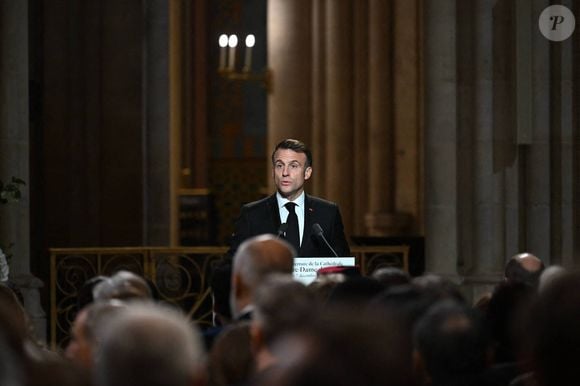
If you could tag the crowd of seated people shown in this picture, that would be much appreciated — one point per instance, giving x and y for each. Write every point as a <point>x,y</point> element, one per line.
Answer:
<point>383,329</point>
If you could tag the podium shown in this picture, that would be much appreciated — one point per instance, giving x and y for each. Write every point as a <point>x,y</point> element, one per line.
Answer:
<point>305,268</point>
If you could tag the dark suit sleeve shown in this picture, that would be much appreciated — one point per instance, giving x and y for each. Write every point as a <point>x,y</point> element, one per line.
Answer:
<point>338,238</point>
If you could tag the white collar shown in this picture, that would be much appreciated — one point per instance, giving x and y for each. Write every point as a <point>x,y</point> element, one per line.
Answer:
<point>299,201</point>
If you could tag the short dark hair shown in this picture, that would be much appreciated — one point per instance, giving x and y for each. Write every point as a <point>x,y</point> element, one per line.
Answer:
<point>283,305</point>
<point>453,340</point>
<point>297,146</point>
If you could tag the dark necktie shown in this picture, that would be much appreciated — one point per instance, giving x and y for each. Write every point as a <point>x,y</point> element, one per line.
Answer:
<point>292,233</point>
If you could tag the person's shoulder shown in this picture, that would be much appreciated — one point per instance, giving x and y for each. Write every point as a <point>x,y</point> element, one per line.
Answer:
<point>259,203</point>
<point>320,202</point>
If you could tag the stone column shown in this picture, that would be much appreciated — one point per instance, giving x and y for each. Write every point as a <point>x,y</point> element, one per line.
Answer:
<point>441,227</point>
<point>380,151</point>
<point>382,218</point>
<point>14,152</point>
<point>290,60</point>
<point>507,72</point>
<point>538,190</point>
<point>488,192</point>
<point>482,213</point>
<point>567,150</point>
<point>407,114</point>
<point>339,106</point>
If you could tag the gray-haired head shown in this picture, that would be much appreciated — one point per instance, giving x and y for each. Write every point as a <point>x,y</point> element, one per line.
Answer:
<point>150,344</point>
<point>549,275</point>
<point>122,285</point>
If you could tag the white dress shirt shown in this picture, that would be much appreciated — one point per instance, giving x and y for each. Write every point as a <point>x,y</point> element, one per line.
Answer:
<point>299,208</point>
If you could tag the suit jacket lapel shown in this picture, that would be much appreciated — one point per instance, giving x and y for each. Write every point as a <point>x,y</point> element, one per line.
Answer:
<point>274,212</point>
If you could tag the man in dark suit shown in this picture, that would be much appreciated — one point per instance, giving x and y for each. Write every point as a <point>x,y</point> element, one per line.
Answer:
<point>290,212</point>
<point>257,258</point>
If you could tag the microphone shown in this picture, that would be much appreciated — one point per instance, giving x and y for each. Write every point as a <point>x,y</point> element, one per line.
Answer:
<point>317,229</point>
<point>282,230</point>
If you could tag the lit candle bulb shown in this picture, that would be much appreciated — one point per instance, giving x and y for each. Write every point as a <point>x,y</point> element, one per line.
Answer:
<point>250,41</point>
<point>223,42</point>
<point>232,43</point>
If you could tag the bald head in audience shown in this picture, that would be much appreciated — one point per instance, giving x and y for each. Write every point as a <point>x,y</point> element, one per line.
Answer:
<point>150,344</point>
<point>254,260</point>
<point>524,268</point>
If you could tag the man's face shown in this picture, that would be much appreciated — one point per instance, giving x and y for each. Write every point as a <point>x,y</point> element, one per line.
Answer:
<point>79,348</point>
<point>290,172</point>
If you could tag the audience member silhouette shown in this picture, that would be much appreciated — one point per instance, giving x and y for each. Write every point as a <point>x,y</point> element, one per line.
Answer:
<point>322,286</point>
<point>391,276</point>
<point>406,303</point>
<point>122,285</point>
<point>549,275</point>
<point>20,332</point>
<point>57,373</point>
<point>521,268</point>
<point>507,311</point>
<point>282,305</point>
<point>355,293</point>
<point>13,360</point>
<point>86,331</point>
<point>438,287</point>
<point>231,361</point>
<point>153,345</point>
<point>524,268</point>
<point>452,346</point>
<point>554,324</point>
<point>255,259</point>
<point>343,349</point>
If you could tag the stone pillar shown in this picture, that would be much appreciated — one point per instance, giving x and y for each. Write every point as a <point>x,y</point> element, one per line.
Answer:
<point>567,236</point>
<point>290,60</point>
<point>508,156</point>
<point>407,115</point>
<point>339,107</point>
<point>538,193</point>
<point>482,191</point>
<point>380,151</point>
<point>14,152</point>
<point>382,218</point>
<point>489,191</point>
<point>441,227</point>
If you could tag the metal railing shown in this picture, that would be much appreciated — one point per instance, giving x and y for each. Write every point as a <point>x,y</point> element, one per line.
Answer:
<point>179,276</point>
